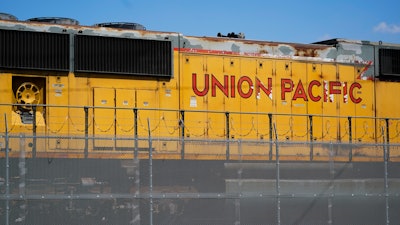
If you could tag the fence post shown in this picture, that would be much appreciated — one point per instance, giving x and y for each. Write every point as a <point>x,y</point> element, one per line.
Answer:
<point>136,201</point>
<point>350,140</point>
<point>86,150</point>
<point>385,161</point>
<point>135,131</point>
<point>182,125</point>
<point>7,172</point>
<point>278,181</point>
<point>239,177</point>
<point>227,134</point>
<point>34,132</point>
<point>22,176</point>
<point>150,172</point>
<point>270,135</point>
<point>331,186</point>
<point>387,139</point>
<point>311,138</point>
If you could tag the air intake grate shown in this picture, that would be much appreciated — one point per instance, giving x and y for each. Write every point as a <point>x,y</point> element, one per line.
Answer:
<point>389,62</point>
<point>123,56</point>
<point>34,50</point>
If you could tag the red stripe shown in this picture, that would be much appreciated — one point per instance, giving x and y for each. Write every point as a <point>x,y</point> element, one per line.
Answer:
<point>219,52</point>
<point>361,75</point>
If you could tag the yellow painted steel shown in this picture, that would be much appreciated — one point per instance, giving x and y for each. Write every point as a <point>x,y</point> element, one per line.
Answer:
<point>212,97</point>
<point>330,111</point>
<point>388,106</point>
<point>124,123</point>
<point>103,116</point>
<point>282,101</point>
<point>314,71</point>
<point>264,102</point>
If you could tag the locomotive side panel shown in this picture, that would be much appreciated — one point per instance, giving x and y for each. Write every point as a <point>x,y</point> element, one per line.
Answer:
<point>283,84</point>
<point>365,127</point>
<point>387,112</point>
<point>6,96</point>
<point>345,74</point>
<point>327,97</point>
<point>124,102</point>
<point>57,122</point>
<point>78,97</point>
<point>300,125</point>
<point>104,120</point>
<point>264,100</point>
<point>329,110</point>
<point>215,125</point>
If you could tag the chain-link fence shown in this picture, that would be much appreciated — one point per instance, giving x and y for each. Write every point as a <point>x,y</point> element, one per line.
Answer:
<point>177,168</point>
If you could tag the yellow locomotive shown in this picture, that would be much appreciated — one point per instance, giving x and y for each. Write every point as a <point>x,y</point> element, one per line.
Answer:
<point>112,86</point>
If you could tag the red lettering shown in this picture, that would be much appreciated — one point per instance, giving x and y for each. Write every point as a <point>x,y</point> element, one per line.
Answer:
<point>351,92</point>
<point>260,85</point>
<point>215,83</point>
<point>326,92</point>
<point>239,87</point>
<point>332,85</point>
<point>233,86</point>
<point>345,97</point>
<point>285,88</point>
<point>310,93</point>
<point>244,87</point>
<point>299,92</point>
<point>194,85</point>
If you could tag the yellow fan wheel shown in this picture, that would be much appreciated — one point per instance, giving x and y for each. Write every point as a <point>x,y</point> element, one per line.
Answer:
<point>28,94</point>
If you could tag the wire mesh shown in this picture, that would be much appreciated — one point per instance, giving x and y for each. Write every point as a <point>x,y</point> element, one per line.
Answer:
<point>63,178</point>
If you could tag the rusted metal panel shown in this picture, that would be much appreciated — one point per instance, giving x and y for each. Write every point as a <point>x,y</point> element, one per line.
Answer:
<point>262,48</point>
<point>86,30</point>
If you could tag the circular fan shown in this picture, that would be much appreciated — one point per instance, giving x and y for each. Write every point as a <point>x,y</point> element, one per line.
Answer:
<point>28,94</point>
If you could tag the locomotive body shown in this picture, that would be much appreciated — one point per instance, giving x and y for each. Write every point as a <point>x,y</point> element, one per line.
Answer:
<point>86,109</point>
<point>331,91</point>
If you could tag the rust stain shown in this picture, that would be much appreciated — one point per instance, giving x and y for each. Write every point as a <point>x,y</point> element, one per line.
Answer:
<point>236,40</point>
<point>264,47</point>
<point>306,52</point>
<point>303,50</point>
<point>310,50</point>
<point>46,27</point>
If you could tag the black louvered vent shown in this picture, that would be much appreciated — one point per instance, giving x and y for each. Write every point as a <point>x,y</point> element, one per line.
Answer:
<point>34,50</point>
<point>123,56</point>
<point>389,62</point>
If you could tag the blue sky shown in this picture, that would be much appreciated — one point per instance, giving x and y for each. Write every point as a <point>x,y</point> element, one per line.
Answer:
<point>303,21</point>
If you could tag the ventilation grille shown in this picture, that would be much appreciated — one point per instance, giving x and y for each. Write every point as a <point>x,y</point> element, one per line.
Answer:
<point>389,62</point>
<point>123,56</point>
<point>34,50</point>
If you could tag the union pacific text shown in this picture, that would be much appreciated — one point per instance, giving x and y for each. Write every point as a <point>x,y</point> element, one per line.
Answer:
<point>244,86</point>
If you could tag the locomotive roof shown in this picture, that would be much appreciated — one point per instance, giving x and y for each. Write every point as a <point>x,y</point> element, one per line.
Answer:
<point>339,50</point>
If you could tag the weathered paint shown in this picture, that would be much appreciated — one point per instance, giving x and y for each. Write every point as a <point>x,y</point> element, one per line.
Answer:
<point>212,76</point>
